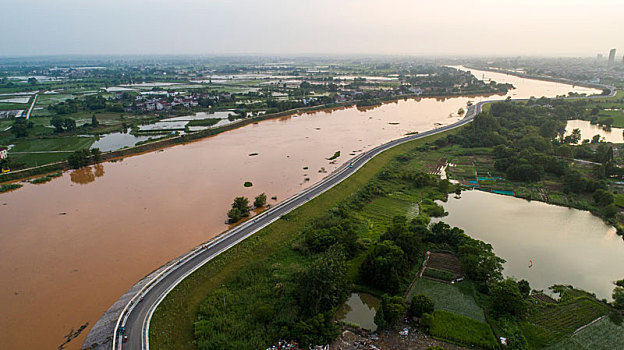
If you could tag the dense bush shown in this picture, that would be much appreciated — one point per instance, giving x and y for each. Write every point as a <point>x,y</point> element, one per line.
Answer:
<point>420,305</point>
<point>384,267</point>
<point>391,310</point>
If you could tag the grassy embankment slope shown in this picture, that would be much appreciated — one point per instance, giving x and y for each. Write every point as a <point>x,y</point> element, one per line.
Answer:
<point>173,322</point>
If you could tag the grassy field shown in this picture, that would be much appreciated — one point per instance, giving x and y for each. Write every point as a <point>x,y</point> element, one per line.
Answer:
<point>551,323</point>
<point>70,143</point>
<point>449,297</point>
<point>463,330</point>
<point>5,106</point>
<point>172,325</point>
<point>37,159</point>
<point>67,145</point>
<point>602,335</point>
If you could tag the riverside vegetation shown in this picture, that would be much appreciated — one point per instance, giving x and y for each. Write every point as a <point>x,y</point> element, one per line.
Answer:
<point>73,108</point>
<point>370,233</point>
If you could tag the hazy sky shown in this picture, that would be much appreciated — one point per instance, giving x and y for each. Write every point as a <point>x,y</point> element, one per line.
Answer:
<point>433,27</point>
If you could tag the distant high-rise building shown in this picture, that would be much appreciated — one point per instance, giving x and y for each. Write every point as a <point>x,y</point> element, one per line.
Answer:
<point>611,58</point>
<point>599,56</point>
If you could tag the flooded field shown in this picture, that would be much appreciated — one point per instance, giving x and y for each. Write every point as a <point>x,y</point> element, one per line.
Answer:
<point>588,130</point>
<point>69,248</point>
<point>566,246</point>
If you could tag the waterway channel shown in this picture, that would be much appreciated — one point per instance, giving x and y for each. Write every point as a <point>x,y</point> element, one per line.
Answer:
<point>69,248</point>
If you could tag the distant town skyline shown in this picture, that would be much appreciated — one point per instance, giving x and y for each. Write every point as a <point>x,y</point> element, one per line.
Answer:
<point>341,27</point>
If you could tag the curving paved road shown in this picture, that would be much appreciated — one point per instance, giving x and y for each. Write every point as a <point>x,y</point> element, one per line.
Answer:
<point>135,319</point>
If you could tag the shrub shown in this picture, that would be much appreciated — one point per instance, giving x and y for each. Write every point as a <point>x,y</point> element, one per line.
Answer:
<point>248,184</point>
<point>260,200</point>
<point>420,305</point>
<point>426,321</point>
<point>9,187</point>
<point>393,309</point>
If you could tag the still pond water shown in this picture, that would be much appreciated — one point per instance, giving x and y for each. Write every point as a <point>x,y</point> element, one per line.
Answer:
<point>567,246</point>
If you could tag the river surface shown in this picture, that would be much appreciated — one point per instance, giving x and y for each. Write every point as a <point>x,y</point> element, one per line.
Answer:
<point>71,247</point>
<point>566,246</point>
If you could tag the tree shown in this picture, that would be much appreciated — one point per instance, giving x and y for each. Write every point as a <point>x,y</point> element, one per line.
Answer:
<point>479,262</point>
<point>260,200</point>
<point>575,137</point>
<point>524,287</point>
<point>79,158</point>
<point>69,124</point>
<point>94,121</point>
<point>618,297</point>
<point>57,123</point>
<point>391,310</point>
<point>240,209</point>
<point>325,283</point>
<point>32,80</point>
<point>506,299</point>
<point>384,266</point>
<point>399,233</point>
<point>234,215</point>
<point>602,197</point>
<point>19,128</point>
<point>426,321</point>
<point>419,305</point>
<point>320,329</point>
<point>96,154</point>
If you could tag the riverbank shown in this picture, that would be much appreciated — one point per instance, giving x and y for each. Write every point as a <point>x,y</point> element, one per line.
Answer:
<point>543,78</point>
<point>177,320</point>
<point>272,256</point>
<point>162,143</point>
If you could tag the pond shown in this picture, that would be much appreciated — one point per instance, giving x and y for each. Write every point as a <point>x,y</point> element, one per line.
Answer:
<point>360,309</point>
<point>588,130</point>
<point>567,246</point>
<point>118,140</point>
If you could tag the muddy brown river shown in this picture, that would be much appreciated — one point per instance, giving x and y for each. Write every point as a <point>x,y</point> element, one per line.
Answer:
<point>71,247</point>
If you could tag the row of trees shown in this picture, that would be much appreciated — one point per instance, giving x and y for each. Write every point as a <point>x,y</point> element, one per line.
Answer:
<point>241,208</point>
<point>84,157</point>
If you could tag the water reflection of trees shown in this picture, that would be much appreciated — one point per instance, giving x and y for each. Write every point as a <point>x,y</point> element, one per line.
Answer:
<point>87,174</point>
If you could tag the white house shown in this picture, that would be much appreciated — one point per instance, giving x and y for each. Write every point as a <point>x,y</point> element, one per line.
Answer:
<point>4,154</point>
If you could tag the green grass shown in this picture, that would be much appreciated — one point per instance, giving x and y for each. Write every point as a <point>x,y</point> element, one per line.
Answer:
<point>172,325</point>
<point>463,330</point>
<point>602,335</point>
<point>448,297</point>
<point>380,211</point>
<point>617,116</point>
<point>619,200</point>
<point>69,143</point>
<point>550,323</point>
<point>37,159</point>
<point>9,106</point>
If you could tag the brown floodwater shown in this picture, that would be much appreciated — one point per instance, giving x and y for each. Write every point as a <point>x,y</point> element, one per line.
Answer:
<point>69,248</point>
